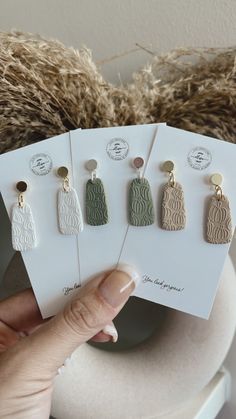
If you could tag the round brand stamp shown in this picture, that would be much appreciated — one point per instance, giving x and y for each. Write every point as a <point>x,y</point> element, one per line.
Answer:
<point>41,164</point>
<point>199,158</point>
<point>117,149</point>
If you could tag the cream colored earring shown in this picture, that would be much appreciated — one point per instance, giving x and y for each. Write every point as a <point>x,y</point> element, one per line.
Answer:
<point>70,218</point>
<point>23,226</point>
<point>173,215</point>
<point>219,223</point>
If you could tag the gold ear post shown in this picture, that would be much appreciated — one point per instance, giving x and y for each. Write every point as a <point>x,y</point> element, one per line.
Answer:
<point>216,181</point>
<point>168,166</point>
<point>138,163</point>
<point>63,173</point>
<point>21,187</point>
<point>91,165</point>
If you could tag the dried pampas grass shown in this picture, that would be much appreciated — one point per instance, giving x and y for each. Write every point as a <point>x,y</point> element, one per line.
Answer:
<point>47,89</point>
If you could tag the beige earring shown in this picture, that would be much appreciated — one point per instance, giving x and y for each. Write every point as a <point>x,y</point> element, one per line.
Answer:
<point>219,224</point>
<point>173,215</point>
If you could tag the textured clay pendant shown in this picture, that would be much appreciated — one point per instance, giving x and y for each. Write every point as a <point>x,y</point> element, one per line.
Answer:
<point>23,228</point>
<point>96,205</point>
<point>69,212</point>
<point>219,225</point>
<point>140,204</point>
<point>173,212</point>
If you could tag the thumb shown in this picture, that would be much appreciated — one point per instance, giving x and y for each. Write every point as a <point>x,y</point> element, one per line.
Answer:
<point>96,304</point>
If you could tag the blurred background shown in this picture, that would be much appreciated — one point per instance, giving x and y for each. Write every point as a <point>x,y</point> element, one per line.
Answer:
<point>116,30</point>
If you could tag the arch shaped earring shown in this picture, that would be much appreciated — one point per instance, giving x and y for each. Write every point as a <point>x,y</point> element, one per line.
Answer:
<point>173,215</point>
<point>23,226</point>
<point>95,199</point>
<point>140,202</point>
<point>70,220</point>
<point>219,223</point>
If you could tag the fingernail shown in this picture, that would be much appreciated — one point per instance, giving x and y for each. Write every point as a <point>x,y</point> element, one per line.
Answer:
<point>118,286</point>
<point>62,368</point>
<point>136,277</point>
<point>111,331</point>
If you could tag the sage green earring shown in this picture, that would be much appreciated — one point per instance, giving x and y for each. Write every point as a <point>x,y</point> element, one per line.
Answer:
<point>95,199</point>
<point>140,203</point>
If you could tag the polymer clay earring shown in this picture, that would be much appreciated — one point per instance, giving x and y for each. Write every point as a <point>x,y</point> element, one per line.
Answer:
<point>23,226</point>
<point>173,215</point>
<point>70,218</point>
<point>140,203</point>
<point>219,224</point>
<point>95,199</point>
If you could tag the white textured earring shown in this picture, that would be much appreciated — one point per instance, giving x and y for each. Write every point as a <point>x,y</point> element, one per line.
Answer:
<point>70,218</point>
<point>23,226</point>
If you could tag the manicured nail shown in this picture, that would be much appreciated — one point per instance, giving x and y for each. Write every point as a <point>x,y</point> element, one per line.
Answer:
<point>118,286</point>
<point>136,277</point>
<point>62,368</point>
<point>110,330</point>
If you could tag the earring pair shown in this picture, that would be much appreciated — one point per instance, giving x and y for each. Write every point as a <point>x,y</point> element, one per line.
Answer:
<point>218,223</point>
<point>69,214</point>
<point>70,219</point>
<point>173,215</point>
<point>140,202</point>
<point>69,211</point>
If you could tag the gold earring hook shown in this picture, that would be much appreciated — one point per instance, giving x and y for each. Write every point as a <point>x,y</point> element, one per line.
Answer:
<point>168,166</point>
<point>138,163</point>
<point>21,187</point>
<point>63,173</point>
<point>216,180</point>
<point>91,165</point>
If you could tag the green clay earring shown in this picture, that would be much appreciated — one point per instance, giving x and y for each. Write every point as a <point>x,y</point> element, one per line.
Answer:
<point>95,200</point>
<point>140,203</point>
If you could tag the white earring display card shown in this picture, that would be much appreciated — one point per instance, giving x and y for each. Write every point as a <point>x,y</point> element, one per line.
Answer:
<point>53,264</point>
<point>180,269</point>
<point>60,263</point>
<point>113,149</point>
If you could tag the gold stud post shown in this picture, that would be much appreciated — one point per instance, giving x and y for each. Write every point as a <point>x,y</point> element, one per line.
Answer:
<point>138,163</point>
<point>216,180</point>
<point>21,188</point>
<point>63,173</point>
<point>168,166</point>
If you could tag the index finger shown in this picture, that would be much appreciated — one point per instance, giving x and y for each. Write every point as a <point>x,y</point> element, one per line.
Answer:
<point>21,311</point>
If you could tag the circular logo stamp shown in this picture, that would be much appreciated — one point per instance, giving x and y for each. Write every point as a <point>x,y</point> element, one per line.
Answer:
<point>117,149</point>
<point>41,164</point>
<point>199,158</point>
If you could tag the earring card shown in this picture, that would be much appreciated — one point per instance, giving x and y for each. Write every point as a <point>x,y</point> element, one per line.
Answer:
<point>114,149</point>
<point>60,263</point>
<point>180,269</point>
<point>53,264</point>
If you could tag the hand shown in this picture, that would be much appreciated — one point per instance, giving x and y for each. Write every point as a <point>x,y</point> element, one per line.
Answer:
<point>32,350</point>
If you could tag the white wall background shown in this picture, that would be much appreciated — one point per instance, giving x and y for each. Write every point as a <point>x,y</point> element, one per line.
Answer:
<point>112,28</point>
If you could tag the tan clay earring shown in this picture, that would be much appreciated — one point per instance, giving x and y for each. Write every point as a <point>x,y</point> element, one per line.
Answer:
<point>173,215</point>
<point>219,224</point>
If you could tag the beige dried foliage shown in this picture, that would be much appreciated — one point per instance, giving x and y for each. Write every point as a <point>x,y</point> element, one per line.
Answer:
<point>47,89</point>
